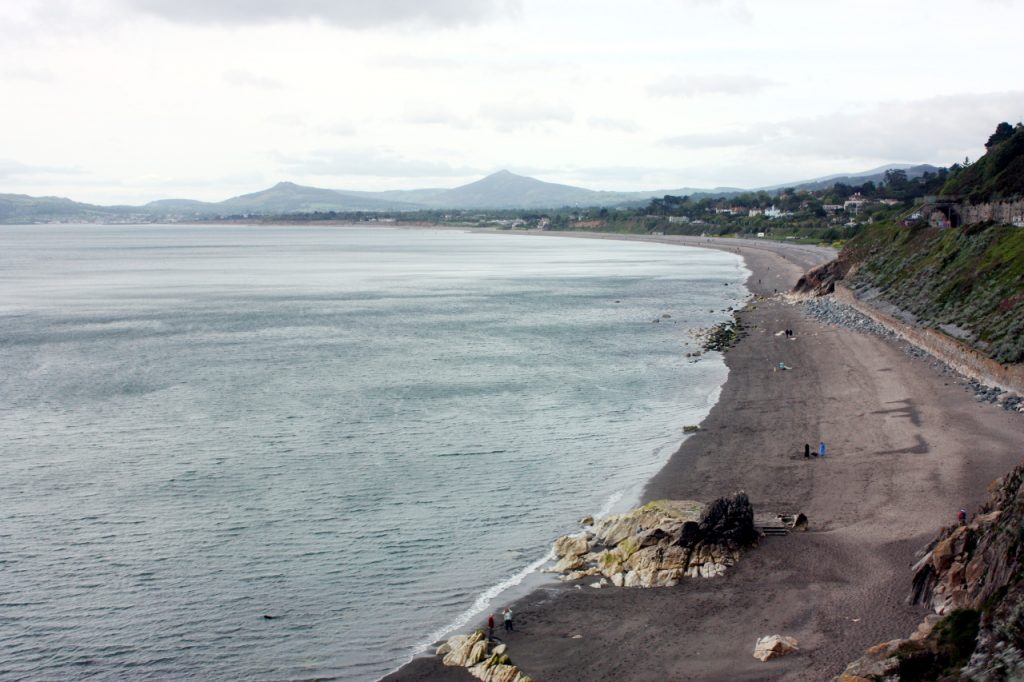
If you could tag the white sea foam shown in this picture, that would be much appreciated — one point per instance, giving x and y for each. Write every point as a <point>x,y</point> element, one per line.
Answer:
<point>482,603</point>
<point>609,505</point>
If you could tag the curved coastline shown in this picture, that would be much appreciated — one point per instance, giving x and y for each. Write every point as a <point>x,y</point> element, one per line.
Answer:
<point>530,578</point>
<point>894,473</point>
<point>423,665</point>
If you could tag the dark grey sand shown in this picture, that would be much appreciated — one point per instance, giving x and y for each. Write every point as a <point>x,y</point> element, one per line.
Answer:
<point>907,448</point>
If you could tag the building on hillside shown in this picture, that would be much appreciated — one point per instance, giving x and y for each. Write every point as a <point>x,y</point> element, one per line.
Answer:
<point>854,202</point>
<point>754,212</point>
<point>773,212</point>
<point>678,219</point>
<point>831,208</point>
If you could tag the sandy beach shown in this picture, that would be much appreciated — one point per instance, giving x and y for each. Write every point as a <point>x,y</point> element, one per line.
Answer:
<point>907,447</point>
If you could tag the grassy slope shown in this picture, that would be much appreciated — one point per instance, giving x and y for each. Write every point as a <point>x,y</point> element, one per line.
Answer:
<point>999,174</point>
<point>972,278</point>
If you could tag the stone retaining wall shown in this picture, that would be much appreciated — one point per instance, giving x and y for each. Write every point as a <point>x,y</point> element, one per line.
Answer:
<point>1003,212</point>
<point>956,354</point>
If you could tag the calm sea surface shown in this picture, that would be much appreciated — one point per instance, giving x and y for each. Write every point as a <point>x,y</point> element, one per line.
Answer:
<point>369,434</point>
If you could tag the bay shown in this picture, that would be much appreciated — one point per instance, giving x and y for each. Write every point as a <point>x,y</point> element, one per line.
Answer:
<point>367,434</point>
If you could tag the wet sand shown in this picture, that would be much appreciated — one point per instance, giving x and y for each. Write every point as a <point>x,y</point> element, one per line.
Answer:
<point>907,448</point>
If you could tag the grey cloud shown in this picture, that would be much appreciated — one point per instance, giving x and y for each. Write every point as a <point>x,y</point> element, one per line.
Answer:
<point>711,140</point>
<point>614,124</point>
<point>286,120</point>
<point>432,116</point>
<point>11,169</point>
<point>370,162</point>
<point>418,62</point>
<point>721,84</point>
<point>939,129</point>
<point>346,13</point>
<point>512,116</point>
<point>340,128</point>
<point>30,74</point>
<point>252,80</point>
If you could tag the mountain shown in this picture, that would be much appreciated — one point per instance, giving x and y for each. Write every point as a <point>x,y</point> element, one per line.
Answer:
<point>501,190</point>
<point>284,197</point>
<point>21,208</point>
<point>508,190</point>
<point>287,197</point>
<point>875,175</point>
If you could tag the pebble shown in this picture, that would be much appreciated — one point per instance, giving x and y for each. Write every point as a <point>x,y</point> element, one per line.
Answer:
<point>829,311</point>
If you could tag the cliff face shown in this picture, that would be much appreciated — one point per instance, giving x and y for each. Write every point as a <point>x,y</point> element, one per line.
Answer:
<point>972,576</point>
<point>821,281</point>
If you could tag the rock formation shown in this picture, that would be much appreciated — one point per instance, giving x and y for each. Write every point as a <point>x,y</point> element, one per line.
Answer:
<point>482,659</point>
<point>660,543</point>
<point>773,646</point>
<point>972,578</point>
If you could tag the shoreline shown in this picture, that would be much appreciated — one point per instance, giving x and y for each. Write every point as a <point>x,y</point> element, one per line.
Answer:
<point>896,472</point>
<point>800,257</point>
<point>532,578</point>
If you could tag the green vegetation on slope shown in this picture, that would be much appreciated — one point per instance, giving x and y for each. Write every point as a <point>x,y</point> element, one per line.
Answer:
<point>973,279</point>
<point>999,174</point>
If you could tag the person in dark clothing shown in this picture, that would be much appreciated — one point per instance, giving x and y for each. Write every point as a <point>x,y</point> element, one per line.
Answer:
<point>490,627</point>
<point>807,450</point>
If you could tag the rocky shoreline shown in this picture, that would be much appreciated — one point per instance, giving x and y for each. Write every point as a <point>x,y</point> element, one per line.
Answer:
<point>831,312</point>
<point>971,576</point>
<point>894,466</point>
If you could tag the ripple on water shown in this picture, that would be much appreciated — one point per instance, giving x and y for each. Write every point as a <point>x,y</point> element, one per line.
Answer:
<point>310,424</point>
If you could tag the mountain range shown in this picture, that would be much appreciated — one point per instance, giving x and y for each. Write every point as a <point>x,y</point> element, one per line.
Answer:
<point>501,190</point>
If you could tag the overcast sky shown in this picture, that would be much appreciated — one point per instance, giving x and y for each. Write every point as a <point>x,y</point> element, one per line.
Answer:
<point>126,101</point>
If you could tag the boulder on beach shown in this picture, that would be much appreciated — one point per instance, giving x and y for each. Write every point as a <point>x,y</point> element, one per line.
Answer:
<point>466,651</point>
<point>773,646</point>
<point>484,662</point>
<point>660,543</point>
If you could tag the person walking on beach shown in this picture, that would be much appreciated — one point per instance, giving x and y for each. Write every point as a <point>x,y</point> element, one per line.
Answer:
<point>821,449</point>
<point>807,450</point>
<point>490,627</point>
<point>507,614</point>
<point>961,517</point>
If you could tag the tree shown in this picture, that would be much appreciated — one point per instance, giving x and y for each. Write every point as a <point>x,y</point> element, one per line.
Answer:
<point>895,179</point>
<point>1004,131</point>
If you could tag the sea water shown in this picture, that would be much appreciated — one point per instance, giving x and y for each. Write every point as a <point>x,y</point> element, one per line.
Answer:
<point>365,434</point>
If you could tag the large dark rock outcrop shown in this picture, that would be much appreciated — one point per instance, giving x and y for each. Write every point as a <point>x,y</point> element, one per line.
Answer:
<point>972,577</point>
<point>728,521</point>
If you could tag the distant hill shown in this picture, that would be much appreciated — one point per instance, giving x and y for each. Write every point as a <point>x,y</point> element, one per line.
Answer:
<point>282,198</point>
<point>21,208</point>
<point>508,190</point>
<point>875,175</point>
<point>501,190</point>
